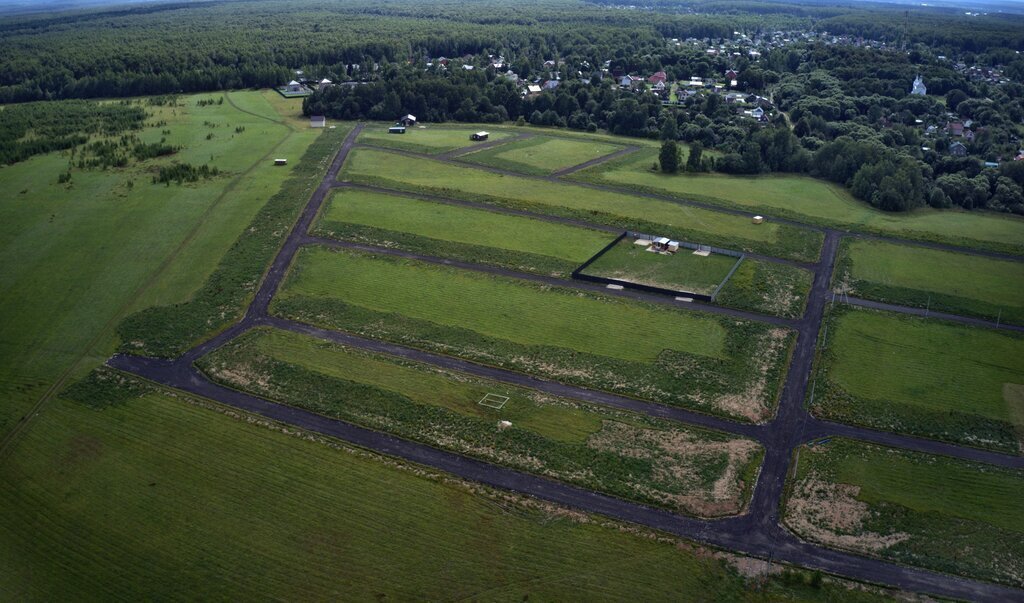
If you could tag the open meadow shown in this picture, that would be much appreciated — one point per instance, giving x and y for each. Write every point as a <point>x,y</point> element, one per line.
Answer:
<point>922,377</point>
<point>428,138</point>
<point>814,201</point>
<point>688,470</point>
<point>650,351</point>
<point>369,166</point>
<point>937,512</point>
<point>681,271</point>
<point>458,232</point>
<point>944,281</point>
<point>541,155</point>
<point>77,257</point>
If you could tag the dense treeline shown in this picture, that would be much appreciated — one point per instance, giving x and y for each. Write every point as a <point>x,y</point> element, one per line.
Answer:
<point>36,128</point>
<point>192,47</point>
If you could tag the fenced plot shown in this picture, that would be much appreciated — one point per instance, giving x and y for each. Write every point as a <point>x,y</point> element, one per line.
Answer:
<point>541,155</point>
<point>493,401</point>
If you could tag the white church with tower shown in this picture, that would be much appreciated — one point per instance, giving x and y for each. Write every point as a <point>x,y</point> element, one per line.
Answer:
<point>919,87</point>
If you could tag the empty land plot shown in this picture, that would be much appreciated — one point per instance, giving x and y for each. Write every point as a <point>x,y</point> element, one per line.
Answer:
<point>429,139</point>
<point>931,511</point>
<point>814,201</point>
<point>706,362</point>
<point>623,210</point>
<point>767,287</point>
<point>541,155</point>
<point>456,232</point>
<point>681,271</point>
<point>272,515</point>
<point>657,462</point>
<point>941,280</point>
<point>923,377</point>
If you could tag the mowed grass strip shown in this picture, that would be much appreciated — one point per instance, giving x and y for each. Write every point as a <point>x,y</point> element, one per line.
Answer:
<point>941,280</point>
<point>683,222</point>
<point>631,456</point>
<point>428,139</point>
<point>541,155</point>
<point>814,201</point>
<point>513,310</point>
<point>444,222</point>
<point>923,377</point>
<point>931,511</point>
<point>681,271</point>
<point>275,516</point>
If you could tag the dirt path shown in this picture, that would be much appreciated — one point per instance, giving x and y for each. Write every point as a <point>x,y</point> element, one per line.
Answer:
<point>758,532</point>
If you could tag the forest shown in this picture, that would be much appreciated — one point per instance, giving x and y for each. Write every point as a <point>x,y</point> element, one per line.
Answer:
<point>836,111</point>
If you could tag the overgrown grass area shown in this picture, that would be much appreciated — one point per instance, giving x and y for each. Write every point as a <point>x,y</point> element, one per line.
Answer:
<point>564,199</point>
<point>541,155</point>
<point>657,462</point>
<point>930,511</point>
<point>170,330</point>
<point>944,281</point>
<point>159,497</point>
<point>922,377</point>
<point>814,201</point>
<point>457,232</point>
<point>680,271</point>
<point>654,352</point>
<point>767,287</point>
<point>429,138</point>
<point>76,257</point>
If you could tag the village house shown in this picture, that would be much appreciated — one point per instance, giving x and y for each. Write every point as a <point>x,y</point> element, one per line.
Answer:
<point>407,120</point>
<point>955,128</point>
<point>658,78</point>
<point>958,149</point>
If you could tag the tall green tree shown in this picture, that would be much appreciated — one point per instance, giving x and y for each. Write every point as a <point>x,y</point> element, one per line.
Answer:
<point>668,158</point>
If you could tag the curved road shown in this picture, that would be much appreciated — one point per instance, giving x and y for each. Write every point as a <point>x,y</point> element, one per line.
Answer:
<point>758,532</point>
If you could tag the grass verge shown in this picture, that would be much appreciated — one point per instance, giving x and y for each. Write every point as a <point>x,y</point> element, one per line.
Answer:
<point>541,155</point>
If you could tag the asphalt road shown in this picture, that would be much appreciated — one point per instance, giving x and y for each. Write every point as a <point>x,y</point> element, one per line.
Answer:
<point>758,532</point>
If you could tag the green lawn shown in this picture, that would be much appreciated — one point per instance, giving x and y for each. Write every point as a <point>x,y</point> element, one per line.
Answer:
<point>458,232</point>
<point>942,280</point>
<point>923,377</point>
<point>692,471</point>
<point>541,155</point>
<point>936,512</point>
<point>681,271</point>
<point>815,201</point>
<point>637,213</point>
<point>503,308</point>
<point>644,350</point>
<point>426,139</point>
<point>75,259</point>
<point>129,503</point>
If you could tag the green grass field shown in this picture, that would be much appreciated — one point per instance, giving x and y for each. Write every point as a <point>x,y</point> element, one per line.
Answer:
<point>75,259</point>
<point>692,471</point>
<point>923,377</point>
<point>936,512</point>
<point>650,351</point>
<point>681,271</point>
<point>941,280</point>
<point>636,213</point>
<point>458,232</point>
<point>815,201</point>
<point>428,139</point>
<point>541,155</point>
<point>130,503</point>
<point>767,287</point>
